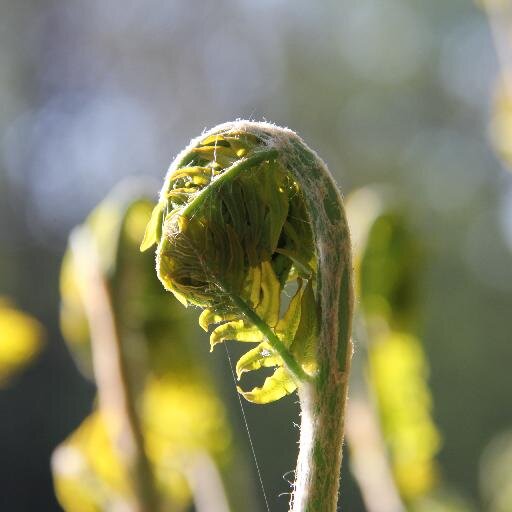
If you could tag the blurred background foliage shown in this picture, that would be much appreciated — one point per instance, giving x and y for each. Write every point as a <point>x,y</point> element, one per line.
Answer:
<point>177,411</point>
<point>391,92</point>
<point>390,377</point>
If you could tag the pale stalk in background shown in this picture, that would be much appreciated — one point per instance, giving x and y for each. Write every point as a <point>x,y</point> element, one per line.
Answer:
<point>369,460</point>
<point>116,399</point>
<point>205,484</point>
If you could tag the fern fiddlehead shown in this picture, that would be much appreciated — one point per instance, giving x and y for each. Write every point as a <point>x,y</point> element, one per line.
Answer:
<point>247,216</point>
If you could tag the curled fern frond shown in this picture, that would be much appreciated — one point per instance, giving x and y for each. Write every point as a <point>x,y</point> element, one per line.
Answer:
<point>251,228</point>
<point>234,238</point>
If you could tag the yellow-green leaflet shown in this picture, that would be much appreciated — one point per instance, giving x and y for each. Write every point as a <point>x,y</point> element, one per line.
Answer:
<point>285,328</point>
<point>154,227</point>
<point>275,387</point>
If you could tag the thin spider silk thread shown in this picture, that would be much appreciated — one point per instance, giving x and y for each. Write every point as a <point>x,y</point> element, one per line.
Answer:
<point>248,431</point>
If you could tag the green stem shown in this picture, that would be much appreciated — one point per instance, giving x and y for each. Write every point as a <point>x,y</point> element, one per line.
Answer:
<point>291,364</point>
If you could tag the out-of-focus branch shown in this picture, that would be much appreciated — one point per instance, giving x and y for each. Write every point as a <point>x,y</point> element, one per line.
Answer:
<point>206,484</point>
<point>499,14</point>
<point>116,400</point>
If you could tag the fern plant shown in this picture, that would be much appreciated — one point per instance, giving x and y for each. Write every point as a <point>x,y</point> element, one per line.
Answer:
<point>248,217</point>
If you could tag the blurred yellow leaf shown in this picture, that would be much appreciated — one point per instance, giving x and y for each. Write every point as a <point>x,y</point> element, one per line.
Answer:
<point>20,340</point>
<point>398,373</point>
<point>179,420</point>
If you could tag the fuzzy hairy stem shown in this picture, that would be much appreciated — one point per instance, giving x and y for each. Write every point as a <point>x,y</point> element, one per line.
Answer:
<point>323,402</point>
<point>116,399</point>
